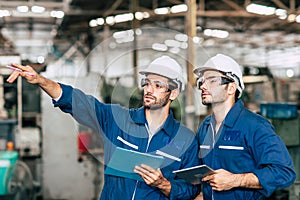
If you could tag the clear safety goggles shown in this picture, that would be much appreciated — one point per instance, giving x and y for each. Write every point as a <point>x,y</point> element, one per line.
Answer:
<point>157,85</point>
<point>213,80</point>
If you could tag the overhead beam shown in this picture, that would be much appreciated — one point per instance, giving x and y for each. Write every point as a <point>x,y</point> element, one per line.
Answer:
<point>115,5</point>
<point>201,5</point>
<point>233,5</point>
<point>175,2</point>
<point>240,13</point>
<point>280,4</point>
<point>292,5</point>
<point>201,13</point>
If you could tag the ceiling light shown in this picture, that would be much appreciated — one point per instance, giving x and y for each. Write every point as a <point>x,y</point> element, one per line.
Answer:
<point>138,31</point>
<point>290,73</point>
<point>4,13</point>
<point>172,43</point>
<point>199,28</point>
<point>57,14</point>
<point>146,15</point>
<point>125,40</point>
<point>159,47</point>
<point>41,59</point>
<point>110,20</point>
<point>260,9</point>
<point>23,9</point>
<point>197,40</point>
<point>181,37</point>
<point>161,11</point>
<point>100,21</point>
<point>298,19</point>
<point>179,8</point>
<point>93,23</point>
<point>291,18</point>
<point>124,17</point>
<point>139,15</point>
<point>123,34</point>
<point>174,50</point>
<point>184,45</point>
<point>216,33</point>
<point>37,9</point>
<point>281,13</point>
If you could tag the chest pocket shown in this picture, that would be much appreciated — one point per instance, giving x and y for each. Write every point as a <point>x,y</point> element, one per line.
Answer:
<point>231,141</point>
<point>231,135</point>
<point>232,151</point>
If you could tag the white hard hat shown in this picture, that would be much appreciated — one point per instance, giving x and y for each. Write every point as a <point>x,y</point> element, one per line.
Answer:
<point>226,65</point>
<point>166,67</point>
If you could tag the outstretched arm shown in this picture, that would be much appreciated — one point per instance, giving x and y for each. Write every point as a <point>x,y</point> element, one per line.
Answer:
<point>52,88</point>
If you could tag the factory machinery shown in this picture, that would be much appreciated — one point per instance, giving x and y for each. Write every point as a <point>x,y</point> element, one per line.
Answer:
<point>39,157</point>
<point>20,136</point>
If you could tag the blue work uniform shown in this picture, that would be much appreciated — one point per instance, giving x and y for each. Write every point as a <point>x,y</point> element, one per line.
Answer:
<point>246,142</point>
<point>127,128</point>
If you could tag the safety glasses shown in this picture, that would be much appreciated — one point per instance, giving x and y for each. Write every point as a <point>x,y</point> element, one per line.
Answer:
<point>157,85</point>
<point>213,80</point>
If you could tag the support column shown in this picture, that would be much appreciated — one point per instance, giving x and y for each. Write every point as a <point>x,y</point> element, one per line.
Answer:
<point>190,29</point>
<point>134,4</point>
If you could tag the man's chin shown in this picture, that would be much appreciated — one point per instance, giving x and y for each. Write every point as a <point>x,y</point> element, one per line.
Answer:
<point>206,103</point>
<point>152,107</point>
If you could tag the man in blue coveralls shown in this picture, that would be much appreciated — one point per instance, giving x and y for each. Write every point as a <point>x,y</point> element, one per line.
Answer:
<point>249,159</point>
<point>151,128</point>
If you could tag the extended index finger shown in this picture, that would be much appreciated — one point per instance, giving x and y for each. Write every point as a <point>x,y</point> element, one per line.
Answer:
<point>18,66</point>
<point>13,77</point>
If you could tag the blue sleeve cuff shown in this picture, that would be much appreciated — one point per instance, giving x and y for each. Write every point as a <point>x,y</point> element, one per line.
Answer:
<point>264,179</point>
<point>275,177</point>
<point>181,190</point>
<point>65,101</point>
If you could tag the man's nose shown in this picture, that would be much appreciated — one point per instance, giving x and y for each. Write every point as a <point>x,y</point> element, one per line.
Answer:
<point>149,89</point>
<point>203,85</point>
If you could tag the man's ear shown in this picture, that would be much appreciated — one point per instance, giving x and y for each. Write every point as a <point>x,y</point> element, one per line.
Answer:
<point>232,88</point>
<point>174,94</point>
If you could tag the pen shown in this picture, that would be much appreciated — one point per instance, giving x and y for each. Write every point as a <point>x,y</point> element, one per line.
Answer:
<point>17,69</point>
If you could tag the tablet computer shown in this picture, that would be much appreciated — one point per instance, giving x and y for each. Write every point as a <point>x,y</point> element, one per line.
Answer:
<point>194,174</point>
<point>123,161</point>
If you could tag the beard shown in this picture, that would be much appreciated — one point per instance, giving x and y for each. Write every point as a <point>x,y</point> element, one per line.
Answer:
<point>215,98</point>
<point>156,103</point>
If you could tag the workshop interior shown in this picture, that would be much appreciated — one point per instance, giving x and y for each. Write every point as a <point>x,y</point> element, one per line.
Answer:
<point>98,47</point>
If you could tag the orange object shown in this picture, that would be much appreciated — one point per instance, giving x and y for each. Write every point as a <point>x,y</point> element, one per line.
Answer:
<point>10,146</point>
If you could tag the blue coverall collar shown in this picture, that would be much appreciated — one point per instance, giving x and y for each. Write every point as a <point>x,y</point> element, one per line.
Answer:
<point>231,116</point>
<point>139,117</point>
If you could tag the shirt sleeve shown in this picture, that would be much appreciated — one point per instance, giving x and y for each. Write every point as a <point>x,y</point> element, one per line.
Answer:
<point>275,168</point>
<point>180,189</point>
<point>84,108</point>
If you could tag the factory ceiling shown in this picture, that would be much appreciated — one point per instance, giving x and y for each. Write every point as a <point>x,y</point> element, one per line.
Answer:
<point>53,31</point>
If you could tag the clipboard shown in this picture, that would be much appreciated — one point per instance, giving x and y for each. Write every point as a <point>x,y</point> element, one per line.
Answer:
<point>194,175</point>
<point>123,161</point>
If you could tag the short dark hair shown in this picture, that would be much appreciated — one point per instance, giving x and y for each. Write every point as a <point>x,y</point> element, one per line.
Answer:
<point>236,96</point>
